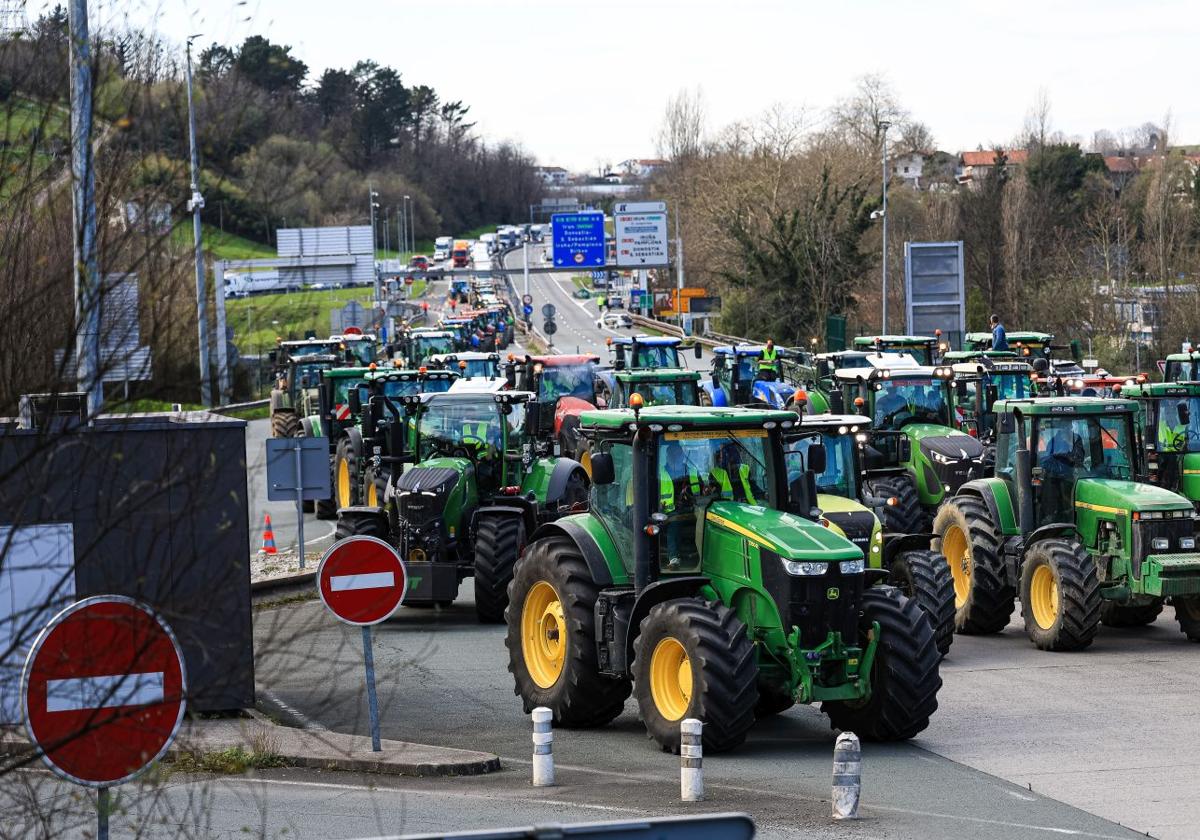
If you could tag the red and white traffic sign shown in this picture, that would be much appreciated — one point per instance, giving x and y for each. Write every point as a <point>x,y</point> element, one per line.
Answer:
<point>103,690</point>
<point>362,580</point>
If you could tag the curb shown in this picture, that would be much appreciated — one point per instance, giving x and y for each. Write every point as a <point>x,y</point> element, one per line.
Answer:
<point>283,581</point>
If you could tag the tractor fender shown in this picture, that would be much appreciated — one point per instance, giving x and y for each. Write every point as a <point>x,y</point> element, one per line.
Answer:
<point>563,469</point>
<point>1055,530</point>
<point>279,400</point>
<point>513,507</point>
<point>309,428</point>
<point>893,547</point>
<point>717,394</point>
<point>356,441</point>
<point>981,490</point>
<point>656,593</point>
<point>592,555</point>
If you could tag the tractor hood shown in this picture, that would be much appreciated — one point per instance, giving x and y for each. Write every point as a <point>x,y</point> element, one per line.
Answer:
<point>849,518</point>
<point>569,407</point>
<point>1121,496</point>
<point>791,537</point>
<point>775,394</point>
<point>943,440</point>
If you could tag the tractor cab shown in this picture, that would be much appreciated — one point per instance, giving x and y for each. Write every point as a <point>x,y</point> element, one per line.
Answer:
<point>926,350</point>
<point>815,374</point>
<point>1170,430</point>
<point>647,352</point>
<point>463,329</point>
<point>736,380</point>
<point>979,383</point>
<point>297,389</point>
<point>469,365</point>
<point>1181,367</point>
<point>420,344</point>
<point>656,387</point>
<point>916,451</point>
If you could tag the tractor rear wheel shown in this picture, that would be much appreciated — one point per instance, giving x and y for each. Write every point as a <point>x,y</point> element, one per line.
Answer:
<point>346,488</point>
<point>924,576</point>
<point>967,537</point>
<point>551,637</point>
<point>373,487</point>
<point>905,516</point>
<point>498,543</point>
<point>1187,612</point>
<point>1060,595</point>
<point>361,522</point>
<point>285,423</point>
<point>772,699</point>
<point>904,676</point>
<point>693,659</point>
<point>1113,614</point>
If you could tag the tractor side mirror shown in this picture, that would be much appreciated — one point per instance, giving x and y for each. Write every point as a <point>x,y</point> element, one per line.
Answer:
<point>837,403</point>
<point>603,471</point>
<point>355,401</point>
<point>817,458</point>
<point>533,413</point>
<point>1041,364</point>
<point>619,363</point>
<point>991,394</point>
<point>510,375</point>
<point>960,390</point>
<point>1006,424</point>
<point>699,350</point>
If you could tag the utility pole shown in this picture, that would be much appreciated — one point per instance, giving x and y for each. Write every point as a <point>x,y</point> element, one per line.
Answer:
<point>399,230</point>
<point>683,324</point>
<point>371,196</point>
<point>883,141</point>
<point>410,243</point>
<point>525,263</point>
<point>195,205</point>
<point>83,178</point>
<point>387,231</point>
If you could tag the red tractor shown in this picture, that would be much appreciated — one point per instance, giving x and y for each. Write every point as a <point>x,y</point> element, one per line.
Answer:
<point>566,382</point>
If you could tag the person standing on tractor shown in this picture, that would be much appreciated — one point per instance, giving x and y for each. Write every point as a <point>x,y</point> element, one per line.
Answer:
<point>999,337</point>
<point>768,362</point>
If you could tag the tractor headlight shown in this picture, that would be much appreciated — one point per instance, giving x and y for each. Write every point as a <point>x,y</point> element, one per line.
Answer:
<point>851,567</point>
<point>805,568</point>
<point>1160,543</point>
<point>1187,543</point>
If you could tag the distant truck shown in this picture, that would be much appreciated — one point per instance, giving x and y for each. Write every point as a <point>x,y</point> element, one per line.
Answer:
<point>489,239</point>
<point>461,253</point>
<point>507,237</point>
<point>441,247</point>
<point>258,283</point>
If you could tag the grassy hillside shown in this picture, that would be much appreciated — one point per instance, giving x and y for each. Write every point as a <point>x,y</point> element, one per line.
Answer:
<point>223,246</point>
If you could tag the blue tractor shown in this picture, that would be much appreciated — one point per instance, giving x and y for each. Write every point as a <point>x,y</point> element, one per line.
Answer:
<point>736,380</point>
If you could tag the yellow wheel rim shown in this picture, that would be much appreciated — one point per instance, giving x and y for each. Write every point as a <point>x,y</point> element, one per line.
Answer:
<point>585,461</point>
<point>343,483</point>
<point>1043,597</point>
<point>671,679</point>
<point>957,549</point>
<point>543,634</point>
<point>372,495</point>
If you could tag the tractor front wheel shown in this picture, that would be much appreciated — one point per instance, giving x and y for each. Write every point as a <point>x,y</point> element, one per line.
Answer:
<point>498,543</point>
<point>373,487</point>
<point>285,424</point>
<point>1060,595</point>
<point>551,637</point>
<point>346,488</point>
<point>902,513</point>
<point>967,537</point>
<point>1187,612</point>
<point>693,659</point>
<point>1113,614</point>
<point>361,522</point>
<point>904,675</point>
<point>924,576</point>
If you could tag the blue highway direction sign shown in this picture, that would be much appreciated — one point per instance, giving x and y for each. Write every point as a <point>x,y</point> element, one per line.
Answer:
<point>578,239</point>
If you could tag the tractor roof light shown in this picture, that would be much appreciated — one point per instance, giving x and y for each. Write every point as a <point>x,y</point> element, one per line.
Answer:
<point>842,430</point>
<point>371,366</point>
<point>861,437</point>
<point>859,402</point>
<point>893,501</point>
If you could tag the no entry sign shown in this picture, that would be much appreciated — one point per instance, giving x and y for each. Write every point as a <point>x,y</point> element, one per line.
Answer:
<point>103,690</point>
<point>362,580</point>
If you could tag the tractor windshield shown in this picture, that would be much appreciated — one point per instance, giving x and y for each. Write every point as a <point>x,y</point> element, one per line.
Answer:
<point>1179,424</point>
<point>923,353</point>
<point>728,465</point>
<point>1083,446</point>
<point>560,381</point>
<point>433,345</point>
<point>1012,386</point>
<point>487,368</point>
<point>363,350</point>
<point>1181,371</point>
<point>920,399</point>
<point>309,376</point>
<point>449,426</point>
<point>747,367</point>
<point>664,393</point>
<point>656,356</point>
<point>838,479</point>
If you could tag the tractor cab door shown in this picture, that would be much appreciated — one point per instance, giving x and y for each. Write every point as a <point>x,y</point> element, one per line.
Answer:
<point>612,503</point>
<point>1058,453</point>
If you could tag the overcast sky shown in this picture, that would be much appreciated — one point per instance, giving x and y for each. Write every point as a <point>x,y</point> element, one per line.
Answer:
<point>577,83</point>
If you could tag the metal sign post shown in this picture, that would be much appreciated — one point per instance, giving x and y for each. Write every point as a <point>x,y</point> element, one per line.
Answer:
<point>362,581</point>
<point>298,470</point>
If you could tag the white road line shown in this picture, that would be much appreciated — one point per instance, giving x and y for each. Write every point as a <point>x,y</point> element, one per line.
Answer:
<point>369,580</point>
<point>104,691</point>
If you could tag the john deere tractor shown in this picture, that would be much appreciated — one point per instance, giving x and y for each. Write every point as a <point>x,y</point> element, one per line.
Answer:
<point>700,581</point>
<point>925,350</point>
<point>417,346</point>
<point>915,454</point>
<point>1181,367</point>
<point>830,445</point>
<point>1065,527</point>
<point>475,486</point>
<point>1171,434</point>
<point>979,383</point>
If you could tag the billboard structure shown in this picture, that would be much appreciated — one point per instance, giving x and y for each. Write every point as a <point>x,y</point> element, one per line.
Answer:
<point>934,290</point>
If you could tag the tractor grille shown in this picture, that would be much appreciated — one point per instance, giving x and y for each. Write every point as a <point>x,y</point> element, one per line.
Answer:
<point>857,525</point>
<point>816,604</point>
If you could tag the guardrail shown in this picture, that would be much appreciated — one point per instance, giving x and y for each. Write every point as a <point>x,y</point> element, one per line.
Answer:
<point>235,407</point>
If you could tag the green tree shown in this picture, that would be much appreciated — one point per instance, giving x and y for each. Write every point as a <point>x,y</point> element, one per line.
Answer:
<point>270,66</point>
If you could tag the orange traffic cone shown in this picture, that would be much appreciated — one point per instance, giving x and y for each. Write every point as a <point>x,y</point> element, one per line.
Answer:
<point>268,537</point>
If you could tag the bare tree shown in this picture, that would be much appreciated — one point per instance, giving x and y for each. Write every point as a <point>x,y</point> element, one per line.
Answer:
<point>681,135</point>
<point>862,117</point>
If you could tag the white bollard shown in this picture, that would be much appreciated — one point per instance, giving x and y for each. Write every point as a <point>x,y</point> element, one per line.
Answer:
<point>543,747</point>
<point>847,771</point>
<point>691,760</point>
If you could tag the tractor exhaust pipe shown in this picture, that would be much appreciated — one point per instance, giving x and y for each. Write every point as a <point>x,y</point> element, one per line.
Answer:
<point>1024,476</point>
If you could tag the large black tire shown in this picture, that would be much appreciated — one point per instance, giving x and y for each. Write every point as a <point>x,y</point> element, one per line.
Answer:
<point>361,522</point>
<point>1113,614</point>
<point>904,676</point>
<point>722,686</point>
<point>347,487</point>
<point>285,423</point>
<point>772,699</point>
<point>1060,595</point>
<point>498,543</point>
<point>580,695</point>
<point>904,517</point>
<point>1187,613</point>
<point>374,486</point>
<point>924,576</point>
<point>967,537</point>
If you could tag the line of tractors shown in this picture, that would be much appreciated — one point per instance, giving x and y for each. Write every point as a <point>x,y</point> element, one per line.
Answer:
<point>788,527</point>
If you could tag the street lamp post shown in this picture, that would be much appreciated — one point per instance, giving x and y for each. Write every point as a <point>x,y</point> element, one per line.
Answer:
<point>410,244</point>
<point>387,230</point>
<point>372,195</point>
<point>883,211</point>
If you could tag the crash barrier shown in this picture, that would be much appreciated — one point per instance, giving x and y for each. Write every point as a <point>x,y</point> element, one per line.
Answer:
<point>151,506</point>
<point>543,747</point>
<point>691,760</point>
<point>847,773</point>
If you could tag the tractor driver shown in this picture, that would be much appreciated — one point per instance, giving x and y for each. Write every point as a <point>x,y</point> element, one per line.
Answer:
<point>732,477</point>
<point>678,486</point>
<point>1059,460</point>
<point>1173,436</point>
<point>889,405</point>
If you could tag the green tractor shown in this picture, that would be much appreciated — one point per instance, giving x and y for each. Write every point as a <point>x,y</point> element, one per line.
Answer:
<point>924,349</point>
<point>1171,434</point>
<point>912,566</point>
<point>476,484</point>
<point>979,383</point>
<point>915,453</point>
<point>417,346</point>
<point>1181,367</point>
<point>700,581</point>
<point>1064,527</point>
<point>297,390</point>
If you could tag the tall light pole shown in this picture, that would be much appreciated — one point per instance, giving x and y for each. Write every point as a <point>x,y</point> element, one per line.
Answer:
<point>883,211</point>
<point>411,244</point>
<point>400,233</point>
<point>387,230</point>
<point>371,196</point>
<point>195,205</point>
<point>83,181</point>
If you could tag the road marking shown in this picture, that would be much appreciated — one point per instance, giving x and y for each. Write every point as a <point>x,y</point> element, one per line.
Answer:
<point>104,691</point>
<point>370,580</point>
<point>1016,794</point>
<point>305,721</point>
